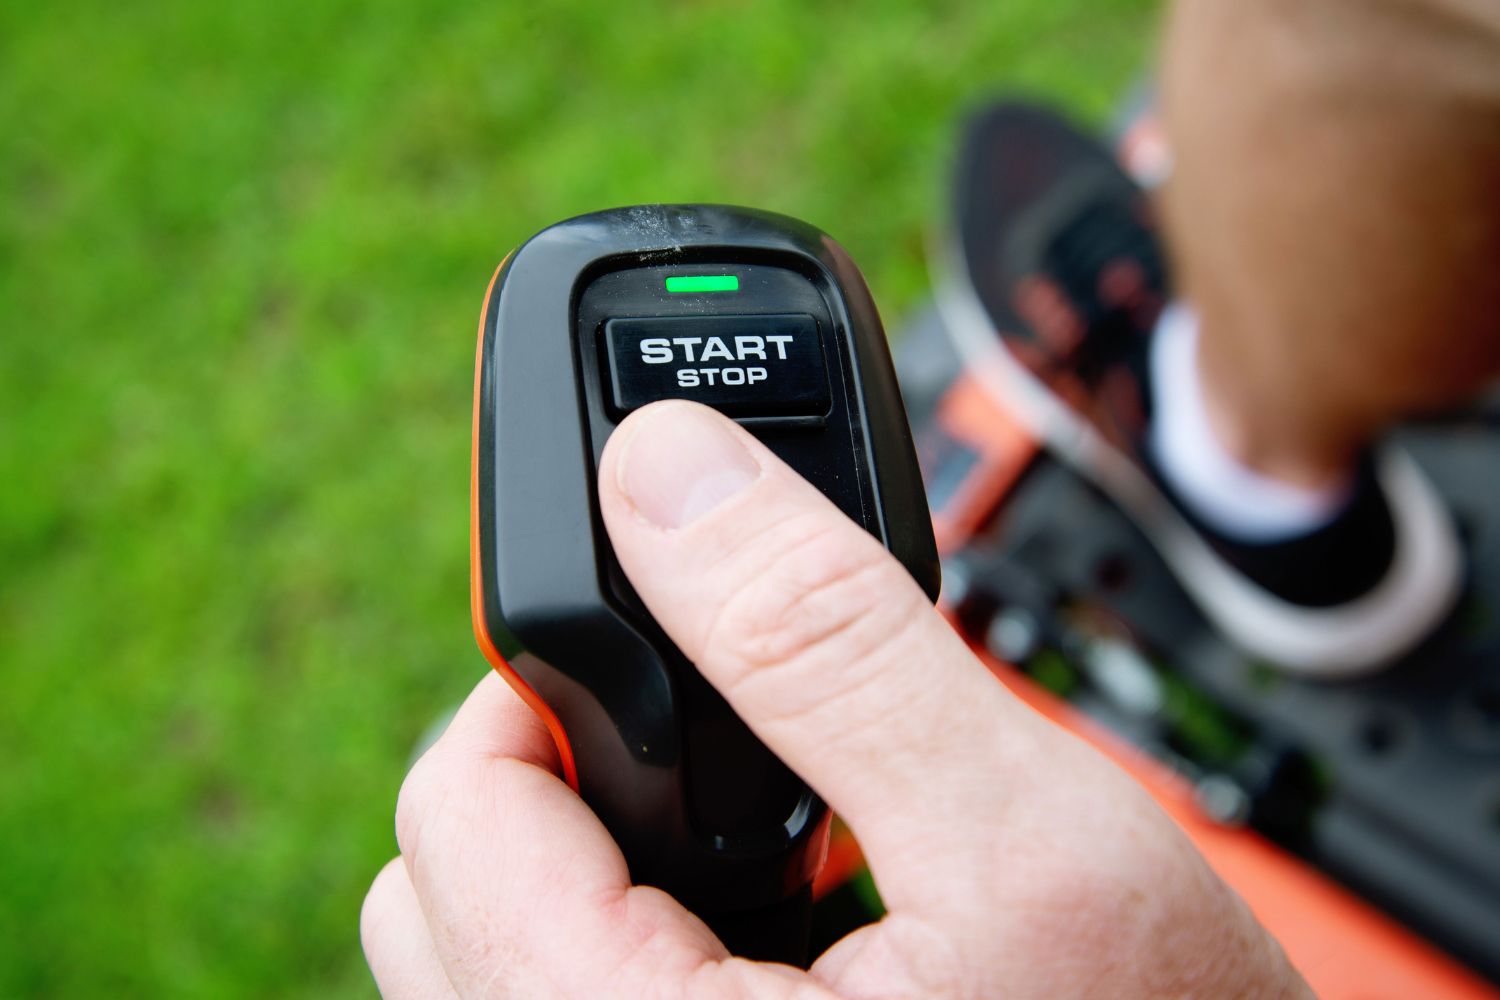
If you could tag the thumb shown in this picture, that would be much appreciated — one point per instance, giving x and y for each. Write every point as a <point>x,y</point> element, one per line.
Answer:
<point>813,632</point>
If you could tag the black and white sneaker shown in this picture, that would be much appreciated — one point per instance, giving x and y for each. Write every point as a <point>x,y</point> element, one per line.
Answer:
<point>1054,285</point>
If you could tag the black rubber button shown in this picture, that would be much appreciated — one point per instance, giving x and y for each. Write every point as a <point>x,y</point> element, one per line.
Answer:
<point>748,366</point>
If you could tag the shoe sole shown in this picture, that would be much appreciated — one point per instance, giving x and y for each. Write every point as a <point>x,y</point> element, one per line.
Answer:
<point>1418,592</point>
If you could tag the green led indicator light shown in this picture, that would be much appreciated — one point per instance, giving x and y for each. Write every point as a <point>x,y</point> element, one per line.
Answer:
<point>682,283</point>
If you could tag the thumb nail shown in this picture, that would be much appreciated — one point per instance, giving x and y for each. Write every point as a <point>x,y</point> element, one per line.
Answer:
<point>681,463</point>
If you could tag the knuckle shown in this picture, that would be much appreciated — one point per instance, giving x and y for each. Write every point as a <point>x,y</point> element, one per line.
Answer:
<point>660,958</point>
<point>828,595</point>
<point>439,788</point>
<point>445,794</point>
<point>379,899</point>
<point>414,803</point>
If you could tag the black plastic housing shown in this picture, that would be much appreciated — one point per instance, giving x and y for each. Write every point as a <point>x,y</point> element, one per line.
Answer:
<point>698,805</point>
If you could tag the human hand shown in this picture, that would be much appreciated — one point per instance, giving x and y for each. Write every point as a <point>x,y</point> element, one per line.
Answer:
<point>1013,859</point>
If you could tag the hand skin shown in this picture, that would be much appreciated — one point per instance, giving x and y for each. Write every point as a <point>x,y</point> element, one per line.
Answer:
<point>1015,861</point>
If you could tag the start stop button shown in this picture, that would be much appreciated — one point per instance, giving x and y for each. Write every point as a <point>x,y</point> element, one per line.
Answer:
<point>750,366</point>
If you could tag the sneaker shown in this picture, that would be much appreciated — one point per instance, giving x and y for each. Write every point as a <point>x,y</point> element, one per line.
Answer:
<point>1056,281</point>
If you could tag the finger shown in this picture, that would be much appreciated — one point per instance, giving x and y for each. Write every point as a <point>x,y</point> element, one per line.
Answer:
<point>815,634</point>
<point>493,721</point>
<point>524,891</point>
<point>461,822</point>
<point>397,944</point>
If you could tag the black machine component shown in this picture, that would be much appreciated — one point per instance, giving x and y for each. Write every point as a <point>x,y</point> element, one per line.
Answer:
<point>768,320</point>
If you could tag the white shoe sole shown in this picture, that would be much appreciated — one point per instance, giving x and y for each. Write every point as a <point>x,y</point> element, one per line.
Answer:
<point>1347,640</point>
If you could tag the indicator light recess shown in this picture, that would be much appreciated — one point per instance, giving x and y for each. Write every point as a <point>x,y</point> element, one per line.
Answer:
<point>681,283</point>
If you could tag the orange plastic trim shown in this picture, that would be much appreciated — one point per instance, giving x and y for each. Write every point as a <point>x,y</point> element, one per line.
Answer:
<point>844,861</point>
<point>970,415</point>
<point>476,578</point>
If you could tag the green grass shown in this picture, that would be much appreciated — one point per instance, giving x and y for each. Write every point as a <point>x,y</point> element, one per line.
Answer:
<point>242,249</point>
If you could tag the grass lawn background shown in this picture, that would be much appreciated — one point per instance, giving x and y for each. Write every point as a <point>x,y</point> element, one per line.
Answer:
<point>242,251</point>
